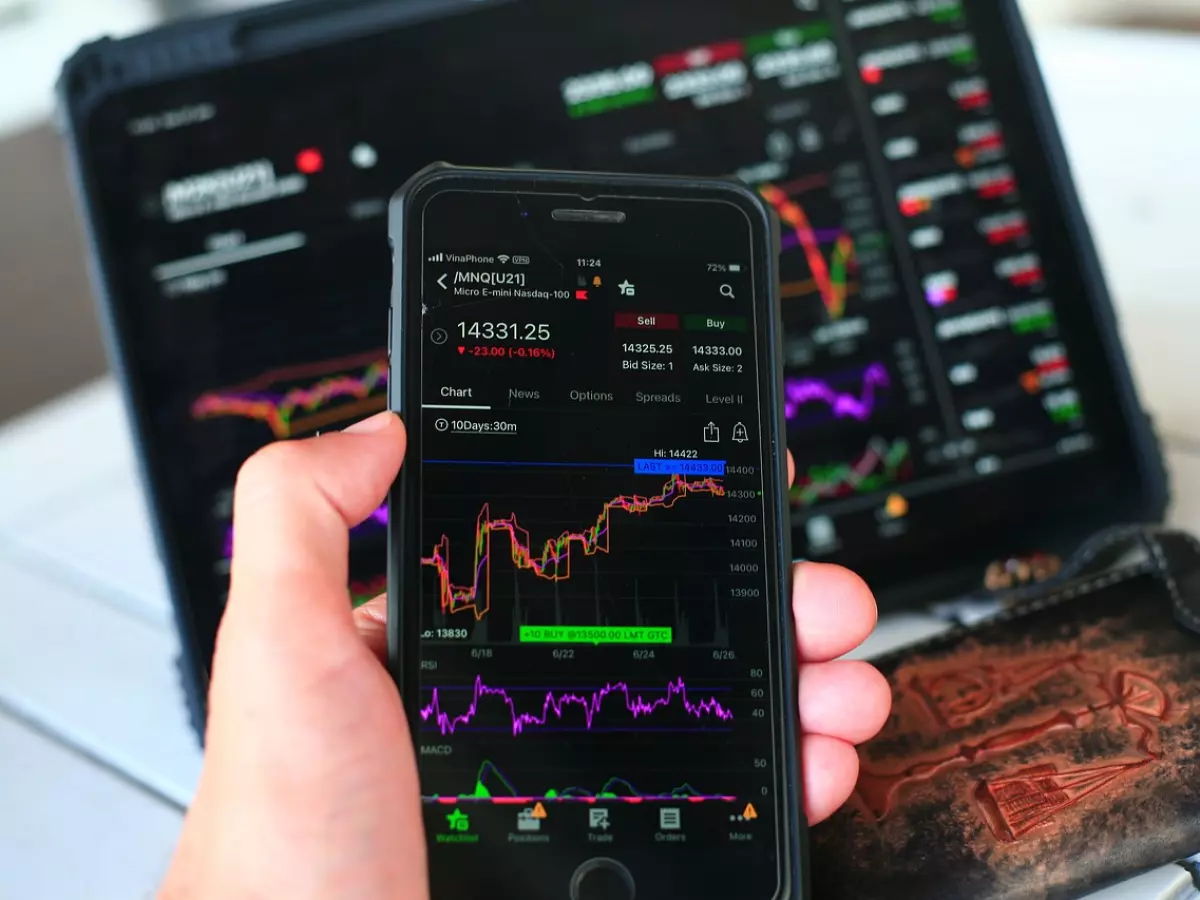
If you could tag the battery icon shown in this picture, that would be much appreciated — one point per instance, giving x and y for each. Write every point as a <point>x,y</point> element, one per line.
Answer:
<point>735,267</point>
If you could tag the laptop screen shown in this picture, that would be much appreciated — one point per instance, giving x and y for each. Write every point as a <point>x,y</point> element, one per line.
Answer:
<point>946,381</point>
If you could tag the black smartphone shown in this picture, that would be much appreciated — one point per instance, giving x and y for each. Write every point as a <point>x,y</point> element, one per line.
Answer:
<point>589,547</point>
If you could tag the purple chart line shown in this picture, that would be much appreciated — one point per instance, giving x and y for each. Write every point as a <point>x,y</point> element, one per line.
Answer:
<point>800,392</point>
<point>556,705</point>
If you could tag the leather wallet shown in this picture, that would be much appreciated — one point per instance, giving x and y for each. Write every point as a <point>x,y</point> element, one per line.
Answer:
<point>1046,753</point>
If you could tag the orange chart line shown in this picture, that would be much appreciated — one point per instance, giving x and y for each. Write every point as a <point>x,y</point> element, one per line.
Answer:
<point>302,410</point>
<point>832,286</point>
<point>554,561</point>
<point>791,290</point>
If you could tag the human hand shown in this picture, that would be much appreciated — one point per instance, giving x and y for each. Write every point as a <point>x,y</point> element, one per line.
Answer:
<point>309,787</point>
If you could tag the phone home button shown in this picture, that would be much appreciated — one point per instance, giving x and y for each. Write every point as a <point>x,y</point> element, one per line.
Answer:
<point>602,879</point>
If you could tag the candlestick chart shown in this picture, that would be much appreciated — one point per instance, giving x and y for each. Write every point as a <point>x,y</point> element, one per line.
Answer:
<point>551,562</point>
<point>882,464</point>
<point>292,401</point>
<point>613,707</point>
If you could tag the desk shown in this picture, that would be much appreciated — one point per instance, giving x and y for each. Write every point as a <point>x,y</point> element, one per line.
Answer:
<point>99,759</point>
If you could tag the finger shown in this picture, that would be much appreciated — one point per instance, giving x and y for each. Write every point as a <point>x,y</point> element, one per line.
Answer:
<point>844,699</point>
<point>294,505</point>
<point>835,611</point>
<point>830,773</point>
<point>371,619</point>
<point>791,470</point>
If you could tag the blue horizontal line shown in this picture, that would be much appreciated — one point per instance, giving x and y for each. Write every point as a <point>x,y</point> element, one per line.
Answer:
<point>557,465</point>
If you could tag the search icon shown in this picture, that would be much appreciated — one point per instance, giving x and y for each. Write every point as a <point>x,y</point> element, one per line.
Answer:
<point>727,291</point>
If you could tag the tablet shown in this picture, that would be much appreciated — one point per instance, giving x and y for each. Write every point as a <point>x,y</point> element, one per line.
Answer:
<point>955,385</point>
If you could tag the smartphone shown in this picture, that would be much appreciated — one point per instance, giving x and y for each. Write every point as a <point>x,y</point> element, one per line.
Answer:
<point>589,551</point>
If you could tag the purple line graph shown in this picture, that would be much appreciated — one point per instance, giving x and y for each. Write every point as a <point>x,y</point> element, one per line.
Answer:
<point>823,235</point>
<point>799,392</point>
<point>556,705</point>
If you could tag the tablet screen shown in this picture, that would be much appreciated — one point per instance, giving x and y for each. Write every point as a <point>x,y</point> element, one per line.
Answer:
<point>944,377</point>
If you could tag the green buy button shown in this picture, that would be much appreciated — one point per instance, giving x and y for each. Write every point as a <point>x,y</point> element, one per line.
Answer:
<point>716,323</point>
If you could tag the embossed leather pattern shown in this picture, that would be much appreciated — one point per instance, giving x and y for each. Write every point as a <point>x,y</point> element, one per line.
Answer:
<point>1037,757</point>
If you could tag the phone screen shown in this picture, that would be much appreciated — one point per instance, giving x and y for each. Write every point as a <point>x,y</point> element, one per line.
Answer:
<point>599,512</point>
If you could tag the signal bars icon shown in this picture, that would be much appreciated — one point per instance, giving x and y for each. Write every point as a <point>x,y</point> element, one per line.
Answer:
<point>437,258</point>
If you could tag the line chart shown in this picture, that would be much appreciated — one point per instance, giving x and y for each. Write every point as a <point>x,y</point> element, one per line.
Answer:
<point>337,390</point>
<point>553,562</point>
<point>799,392</point>
<point>557,705</point>
<point>493,786</point>
<point>882,463</point>
<point>793,290</point>
<point>830,277</point>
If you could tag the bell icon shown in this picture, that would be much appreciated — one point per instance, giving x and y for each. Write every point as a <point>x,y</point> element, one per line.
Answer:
<point>597,282</point>
<point>740,434</point>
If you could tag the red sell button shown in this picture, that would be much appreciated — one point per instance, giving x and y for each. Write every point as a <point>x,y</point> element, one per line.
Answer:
<point>648,321</point>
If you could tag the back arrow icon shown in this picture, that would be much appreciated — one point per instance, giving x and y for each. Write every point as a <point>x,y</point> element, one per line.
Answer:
<point>442,281</point>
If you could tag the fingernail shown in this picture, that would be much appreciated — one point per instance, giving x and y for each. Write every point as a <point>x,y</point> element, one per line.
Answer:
<point>372,425</point>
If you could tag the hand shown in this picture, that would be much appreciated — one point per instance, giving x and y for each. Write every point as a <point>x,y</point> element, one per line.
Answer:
<point>309,787</point>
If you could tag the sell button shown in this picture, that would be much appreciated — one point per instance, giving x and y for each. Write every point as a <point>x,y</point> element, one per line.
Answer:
<point>648,321</point>
<point>716,323</point>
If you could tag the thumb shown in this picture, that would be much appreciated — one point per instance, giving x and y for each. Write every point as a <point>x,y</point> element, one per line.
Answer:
<point>294,505</point>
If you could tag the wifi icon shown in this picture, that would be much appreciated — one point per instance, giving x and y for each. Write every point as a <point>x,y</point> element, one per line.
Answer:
<point>504,259</point>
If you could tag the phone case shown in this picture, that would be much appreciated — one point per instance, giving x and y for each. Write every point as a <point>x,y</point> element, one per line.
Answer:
<point>404,619</point>
<point>1041,756</point>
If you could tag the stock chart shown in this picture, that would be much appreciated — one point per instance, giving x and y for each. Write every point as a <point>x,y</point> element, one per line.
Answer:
<point>592,572</point>
<point>931,349</point>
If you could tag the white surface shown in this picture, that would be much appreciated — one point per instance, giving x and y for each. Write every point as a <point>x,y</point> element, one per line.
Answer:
<point>1058,12</point>
<point>52,455</point>
<point>71,830</point>
<point>1168,883</point>
<point>85,645</point>
<point>120,565</point>
<point>98,677</point>
<point>37,35</point>
<point>1126,104</point>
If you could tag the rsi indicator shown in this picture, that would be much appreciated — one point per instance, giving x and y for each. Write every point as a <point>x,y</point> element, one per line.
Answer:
<point>493,786</point>
<point>553,561</point>
<point>800,392</point>
<point>560,708</point>
<point>338,390</point>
